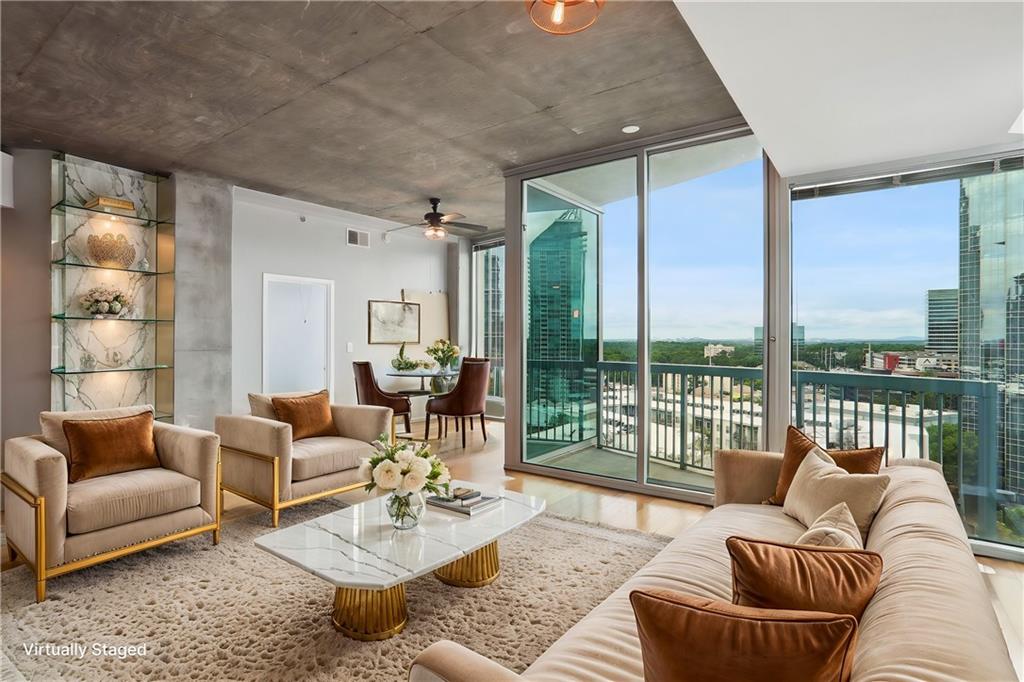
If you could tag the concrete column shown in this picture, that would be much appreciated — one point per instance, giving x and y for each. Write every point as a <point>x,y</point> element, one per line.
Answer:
<point>202,311</point>
<point>457,281</point>
<point>25,296</point>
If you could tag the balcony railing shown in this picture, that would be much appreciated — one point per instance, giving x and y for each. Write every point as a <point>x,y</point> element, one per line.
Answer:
<point>954,422</point>
<point>696,410</point>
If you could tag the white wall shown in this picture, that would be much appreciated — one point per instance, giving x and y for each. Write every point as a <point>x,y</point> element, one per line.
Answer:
<point>267,236</point>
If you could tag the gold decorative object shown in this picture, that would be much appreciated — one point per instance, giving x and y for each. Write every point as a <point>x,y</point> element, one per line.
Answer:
<point>111,251</point>
<point>476,569</point>
<point>369,615</point>
<point>110,203</point>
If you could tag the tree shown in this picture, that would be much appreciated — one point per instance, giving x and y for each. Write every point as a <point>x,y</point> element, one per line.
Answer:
<point>953,462</point>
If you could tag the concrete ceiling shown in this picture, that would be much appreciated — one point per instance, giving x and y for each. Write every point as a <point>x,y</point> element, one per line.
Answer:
<point>836,85</point>
<point>369,107</point>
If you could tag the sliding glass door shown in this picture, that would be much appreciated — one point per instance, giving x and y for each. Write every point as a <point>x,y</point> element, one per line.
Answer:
<point>705,270</point>
<point>597,401</point>
<point>489,318</point>
<point>579,248</point>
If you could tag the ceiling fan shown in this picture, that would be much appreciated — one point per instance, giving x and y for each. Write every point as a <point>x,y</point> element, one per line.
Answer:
<point>437,225</point>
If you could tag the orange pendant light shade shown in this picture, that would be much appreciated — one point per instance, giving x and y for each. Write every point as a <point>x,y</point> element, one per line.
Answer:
<point>563,17</point>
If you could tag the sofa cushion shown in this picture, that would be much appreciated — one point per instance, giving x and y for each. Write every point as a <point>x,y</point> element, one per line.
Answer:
<point>861,461</point>
<point>696,639</point>
<point>52,423</point>
<point>312,457</point>
<point>771,575</point>
<point>100,447</point>
<point>820,485</point>
<point>108,501</point>
<point>309,415</point>
<point>834,528</point>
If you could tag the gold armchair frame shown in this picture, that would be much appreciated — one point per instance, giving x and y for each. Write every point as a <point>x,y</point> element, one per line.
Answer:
<point>275,505</point>
<point>42,573</point>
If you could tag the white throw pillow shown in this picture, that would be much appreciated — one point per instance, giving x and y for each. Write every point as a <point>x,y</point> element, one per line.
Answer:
<point>834,528</point>
<point>820,485</point>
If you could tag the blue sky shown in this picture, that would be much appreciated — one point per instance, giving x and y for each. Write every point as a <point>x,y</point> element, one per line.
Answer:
<point>862,263</point>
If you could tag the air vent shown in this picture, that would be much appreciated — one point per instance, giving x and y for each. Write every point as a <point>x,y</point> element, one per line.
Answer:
<point>359,238</point>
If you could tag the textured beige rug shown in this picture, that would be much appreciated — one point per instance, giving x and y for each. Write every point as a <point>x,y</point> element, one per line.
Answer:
<point>233,612</point>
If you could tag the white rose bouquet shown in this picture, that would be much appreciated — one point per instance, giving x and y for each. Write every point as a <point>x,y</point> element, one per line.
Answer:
<point>405,469</point>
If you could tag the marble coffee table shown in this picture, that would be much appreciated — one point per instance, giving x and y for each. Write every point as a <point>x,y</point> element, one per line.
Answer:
<point>357,550</point>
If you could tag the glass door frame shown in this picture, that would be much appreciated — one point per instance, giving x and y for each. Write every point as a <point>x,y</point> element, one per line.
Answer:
<point>515,297</point>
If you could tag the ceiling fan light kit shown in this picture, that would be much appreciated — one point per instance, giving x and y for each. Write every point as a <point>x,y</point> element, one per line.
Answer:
<point>436,225</point>
<point>563,17</point>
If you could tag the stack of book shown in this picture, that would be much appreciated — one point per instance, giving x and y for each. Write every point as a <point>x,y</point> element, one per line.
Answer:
<point>464,501</point>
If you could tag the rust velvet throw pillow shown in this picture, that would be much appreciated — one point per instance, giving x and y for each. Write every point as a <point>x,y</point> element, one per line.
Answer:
<point>696,639</point>
<point>99,447</point>
<point>309,415</point>
<point>772,575</point>
<point>862,461</point>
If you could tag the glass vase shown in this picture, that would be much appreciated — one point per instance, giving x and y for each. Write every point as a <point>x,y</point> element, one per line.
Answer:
<point>405,509</point>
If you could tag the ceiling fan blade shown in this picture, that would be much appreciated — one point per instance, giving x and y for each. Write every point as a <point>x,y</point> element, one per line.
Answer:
<point>451,216</point>
<point>469,226</point>
<point>421,223</point>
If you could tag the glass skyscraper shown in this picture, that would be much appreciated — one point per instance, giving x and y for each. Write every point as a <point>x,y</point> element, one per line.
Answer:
<point>943,321</point>
<point>492,333</point>
<point>990,300</point>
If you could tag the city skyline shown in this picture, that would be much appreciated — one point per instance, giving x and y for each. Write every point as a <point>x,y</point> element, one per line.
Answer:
<point>862,262</point>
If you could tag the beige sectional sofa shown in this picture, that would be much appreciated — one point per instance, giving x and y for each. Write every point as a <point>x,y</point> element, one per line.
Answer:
<point>931,618</point>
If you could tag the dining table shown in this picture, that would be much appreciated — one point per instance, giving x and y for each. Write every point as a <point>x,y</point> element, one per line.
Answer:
<point>423,374</point>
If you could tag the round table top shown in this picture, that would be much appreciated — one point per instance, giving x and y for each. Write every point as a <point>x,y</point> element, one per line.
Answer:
<point>421,373</point>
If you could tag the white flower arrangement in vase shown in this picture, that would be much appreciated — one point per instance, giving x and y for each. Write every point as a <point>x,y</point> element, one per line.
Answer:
<point>406,470</point>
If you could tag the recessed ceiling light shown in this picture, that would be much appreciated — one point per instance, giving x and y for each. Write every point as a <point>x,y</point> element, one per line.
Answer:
<point>630,129</point>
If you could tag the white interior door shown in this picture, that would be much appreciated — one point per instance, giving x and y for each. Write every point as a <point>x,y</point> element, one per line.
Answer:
<point>298,334</point>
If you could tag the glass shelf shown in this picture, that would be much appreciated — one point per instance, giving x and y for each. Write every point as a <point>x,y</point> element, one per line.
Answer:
<point>66,264</point>
<point>63,208</point>
<point>63,372</point>
<point>89,318</point>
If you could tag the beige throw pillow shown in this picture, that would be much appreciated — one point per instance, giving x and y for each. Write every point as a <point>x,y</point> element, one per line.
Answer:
<point>820,485</point>
<point>834,528</point>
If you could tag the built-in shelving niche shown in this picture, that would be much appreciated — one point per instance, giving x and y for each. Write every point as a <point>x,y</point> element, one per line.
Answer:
<point>123,357</point>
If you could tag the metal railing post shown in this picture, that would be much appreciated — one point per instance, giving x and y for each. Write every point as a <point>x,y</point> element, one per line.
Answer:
<point>988,459</point>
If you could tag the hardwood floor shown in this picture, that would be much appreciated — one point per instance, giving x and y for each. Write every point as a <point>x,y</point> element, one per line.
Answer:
<point>484,463</point>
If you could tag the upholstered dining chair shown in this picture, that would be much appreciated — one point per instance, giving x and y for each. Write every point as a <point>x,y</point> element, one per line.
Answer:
<point>368,392</point>
<point>467,399</point>
<point>62,514</point>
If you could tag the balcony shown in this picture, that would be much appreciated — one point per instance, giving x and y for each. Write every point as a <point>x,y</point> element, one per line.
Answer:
<point>584,419</point>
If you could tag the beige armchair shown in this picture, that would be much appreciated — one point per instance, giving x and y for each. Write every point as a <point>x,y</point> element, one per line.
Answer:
<point>263,465</point>
<point>57,527</point>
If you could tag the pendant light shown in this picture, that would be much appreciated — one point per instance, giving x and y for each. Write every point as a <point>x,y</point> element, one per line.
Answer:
<point>563,17</point>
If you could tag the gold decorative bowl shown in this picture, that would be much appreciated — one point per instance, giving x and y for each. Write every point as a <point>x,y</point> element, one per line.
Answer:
<point>111,251</point>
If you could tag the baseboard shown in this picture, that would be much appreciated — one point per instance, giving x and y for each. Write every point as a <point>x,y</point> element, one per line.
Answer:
<point>996,550</point>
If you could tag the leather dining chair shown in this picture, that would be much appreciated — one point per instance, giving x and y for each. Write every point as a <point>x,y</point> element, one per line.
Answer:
<point>368,392</point>
<point>467,399</point>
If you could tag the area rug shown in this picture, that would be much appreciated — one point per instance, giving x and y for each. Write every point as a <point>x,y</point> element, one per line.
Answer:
<point>234,612</point>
